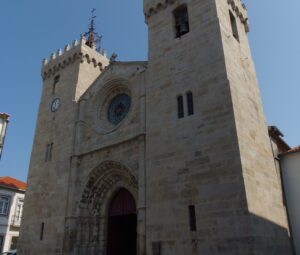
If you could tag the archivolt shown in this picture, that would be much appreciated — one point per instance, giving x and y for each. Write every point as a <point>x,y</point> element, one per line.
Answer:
<point>101,181</point>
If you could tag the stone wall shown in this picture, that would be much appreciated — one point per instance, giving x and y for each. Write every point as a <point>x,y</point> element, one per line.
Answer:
<point>262,181</point>
<point>48,180</point>
<point>218,159</point>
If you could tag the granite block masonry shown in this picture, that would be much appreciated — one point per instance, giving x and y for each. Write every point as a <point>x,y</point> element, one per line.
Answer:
<point>168,156</point>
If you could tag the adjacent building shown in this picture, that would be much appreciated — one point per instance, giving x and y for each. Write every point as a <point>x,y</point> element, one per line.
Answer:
<point>290,167</point>
<point>11,207</point>
<point>287,162</point>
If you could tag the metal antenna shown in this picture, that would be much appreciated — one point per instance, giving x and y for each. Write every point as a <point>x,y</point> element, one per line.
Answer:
<point>93,38</point>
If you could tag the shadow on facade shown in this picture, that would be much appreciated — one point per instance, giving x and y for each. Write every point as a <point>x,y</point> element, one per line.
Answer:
<point>251,235</point>
<point>244,235</point>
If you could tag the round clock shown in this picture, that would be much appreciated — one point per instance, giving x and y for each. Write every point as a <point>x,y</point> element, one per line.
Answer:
<point>118,108</point>
<point>55,105</point>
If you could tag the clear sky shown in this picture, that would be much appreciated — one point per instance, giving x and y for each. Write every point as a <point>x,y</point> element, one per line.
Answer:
<point>32,29</point>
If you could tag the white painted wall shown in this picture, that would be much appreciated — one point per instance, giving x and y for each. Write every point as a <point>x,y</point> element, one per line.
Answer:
<point>8,226</point>
<point>290,164</point>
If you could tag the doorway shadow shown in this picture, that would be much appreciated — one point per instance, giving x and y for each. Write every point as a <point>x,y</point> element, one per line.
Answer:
<point>122,225</point>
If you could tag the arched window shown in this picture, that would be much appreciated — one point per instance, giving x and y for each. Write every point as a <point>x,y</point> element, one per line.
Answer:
<point>181,18</point>
<point>190,103</point>
<point>56,80</point>
<point>180,109</point>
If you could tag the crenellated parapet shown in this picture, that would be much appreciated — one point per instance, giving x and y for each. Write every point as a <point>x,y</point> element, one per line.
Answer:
<point>241,11</point>
<point>77,52</point>
<point>152,7</point>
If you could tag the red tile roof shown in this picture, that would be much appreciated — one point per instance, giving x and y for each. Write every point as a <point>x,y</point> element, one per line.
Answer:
<point>296,149</point>
<point>12,183</point>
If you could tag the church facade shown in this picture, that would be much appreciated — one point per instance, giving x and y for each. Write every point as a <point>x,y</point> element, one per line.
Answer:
<point>167,156</point>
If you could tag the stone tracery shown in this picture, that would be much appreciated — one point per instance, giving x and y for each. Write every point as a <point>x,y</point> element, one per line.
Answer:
<point>102,182</point>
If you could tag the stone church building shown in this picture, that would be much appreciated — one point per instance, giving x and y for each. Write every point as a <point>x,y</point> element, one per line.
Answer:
<point>168,156</point>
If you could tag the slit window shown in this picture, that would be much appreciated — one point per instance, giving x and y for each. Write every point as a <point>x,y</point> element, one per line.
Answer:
<point>192,218</point>
<point>42,231</point>
<point>48,155</point>
<point>234,27</point>
<point>181,20</point>
<point>190,103</point>
<point>55,82</point>
<point>180,109</point>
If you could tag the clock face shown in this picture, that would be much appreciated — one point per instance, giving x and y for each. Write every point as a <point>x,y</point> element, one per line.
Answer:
<point>118,108</point>
<point>55,105</point>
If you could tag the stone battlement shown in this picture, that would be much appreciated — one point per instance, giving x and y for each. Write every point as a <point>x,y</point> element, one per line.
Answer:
<point>241,11</point>
<point>79,51</point>
<point>154,6</point>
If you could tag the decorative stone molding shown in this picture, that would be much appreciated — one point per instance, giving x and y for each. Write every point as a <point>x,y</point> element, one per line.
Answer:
<point>240,9</point>
<point>101,102</point>
<point>70,60</point>
<point>160,5</point>
<point>100,183</point>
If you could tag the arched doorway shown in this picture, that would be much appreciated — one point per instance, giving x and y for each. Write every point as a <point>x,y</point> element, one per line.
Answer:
<point>122,224</point>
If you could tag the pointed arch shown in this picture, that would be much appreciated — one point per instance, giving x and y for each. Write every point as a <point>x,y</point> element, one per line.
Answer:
<point>102,182</point>
<point>102,186</point>
<point>123,203</point>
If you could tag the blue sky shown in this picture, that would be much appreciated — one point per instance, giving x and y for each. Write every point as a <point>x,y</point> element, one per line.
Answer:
<point>32,29</point>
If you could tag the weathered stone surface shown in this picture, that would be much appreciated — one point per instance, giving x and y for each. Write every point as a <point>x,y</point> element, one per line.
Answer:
<point>218,159</point>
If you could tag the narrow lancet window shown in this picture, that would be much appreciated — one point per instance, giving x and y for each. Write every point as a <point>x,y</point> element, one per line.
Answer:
<point>55,82</point>
<point>234,27</point>
<point>180,107</point>
<point>190,103</point>
<point>42,231</point>
<point>49,148</point>
<point>181,20</point>
<point>192,218</point>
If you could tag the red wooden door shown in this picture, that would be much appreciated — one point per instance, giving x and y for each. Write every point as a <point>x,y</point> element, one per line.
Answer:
<point>122,204</point>
<point>122,223</point>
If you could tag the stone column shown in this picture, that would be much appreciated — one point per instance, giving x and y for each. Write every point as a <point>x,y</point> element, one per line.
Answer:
<point>141,215</point>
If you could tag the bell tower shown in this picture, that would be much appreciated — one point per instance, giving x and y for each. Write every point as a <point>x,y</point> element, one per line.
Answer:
<point>66,76</point>
<point>212,186</point>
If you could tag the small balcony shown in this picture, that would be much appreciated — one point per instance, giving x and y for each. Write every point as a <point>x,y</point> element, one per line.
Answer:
<point>15,221</point>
